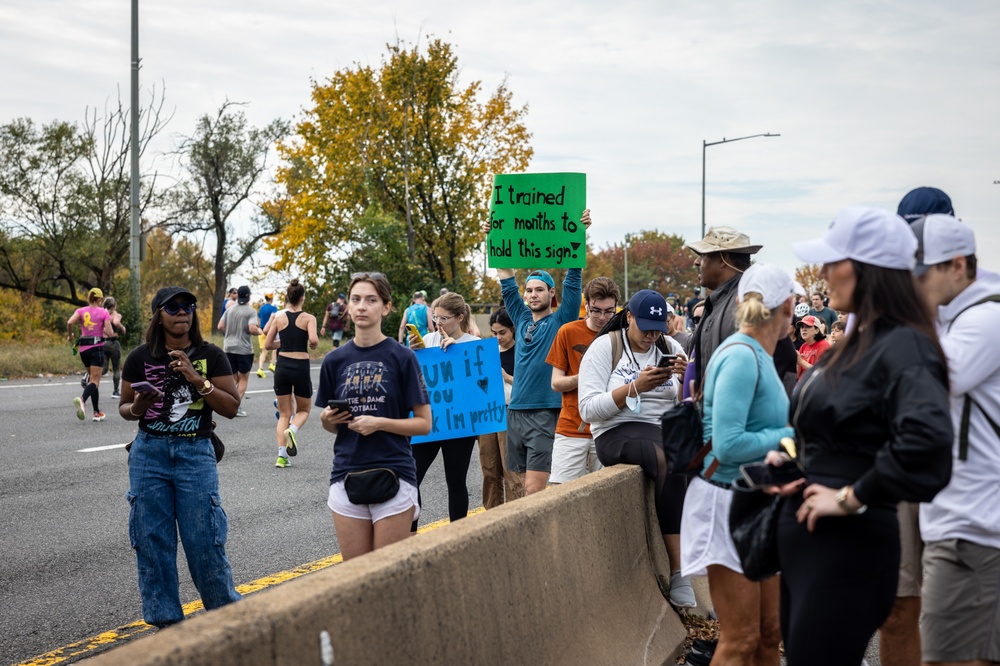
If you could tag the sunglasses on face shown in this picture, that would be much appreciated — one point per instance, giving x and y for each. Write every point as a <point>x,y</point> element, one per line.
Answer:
<point>173,309</point>
<point>365,275</point>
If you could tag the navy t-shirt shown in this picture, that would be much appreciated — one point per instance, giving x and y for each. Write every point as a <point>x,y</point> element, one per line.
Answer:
<point>382,380</point>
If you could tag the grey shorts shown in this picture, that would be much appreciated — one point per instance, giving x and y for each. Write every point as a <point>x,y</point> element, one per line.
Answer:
<point>961,602</point>
<point>911,548</point>
<point>530,433</point>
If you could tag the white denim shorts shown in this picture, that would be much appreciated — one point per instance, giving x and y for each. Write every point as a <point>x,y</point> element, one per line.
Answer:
<point>404,499</point>
<point>573,457</point>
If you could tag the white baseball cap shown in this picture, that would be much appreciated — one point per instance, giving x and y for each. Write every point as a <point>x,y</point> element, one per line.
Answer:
<point>941,238</point>
<point>771,282</point>
<point>865,234</point>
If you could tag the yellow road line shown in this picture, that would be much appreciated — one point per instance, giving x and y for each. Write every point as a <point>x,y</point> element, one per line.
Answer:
<point>105,639</point>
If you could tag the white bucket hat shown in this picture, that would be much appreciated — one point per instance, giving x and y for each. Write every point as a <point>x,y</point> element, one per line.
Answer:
<point>865,234</point>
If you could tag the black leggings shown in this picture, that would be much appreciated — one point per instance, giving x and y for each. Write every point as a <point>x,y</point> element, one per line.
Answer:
<point>641,444</point>
<point>113,356</point>
<point>456,454</point>
<point>838,583</point>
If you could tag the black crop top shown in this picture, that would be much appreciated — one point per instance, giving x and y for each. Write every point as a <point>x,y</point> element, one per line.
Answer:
<point>293,338</point>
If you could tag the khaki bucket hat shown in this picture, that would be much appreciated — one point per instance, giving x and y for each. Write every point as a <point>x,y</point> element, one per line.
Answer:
<point>724,239</point>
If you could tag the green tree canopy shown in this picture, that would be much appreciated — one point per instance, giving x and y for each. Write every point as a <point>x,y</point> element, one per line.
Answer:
<point>225,161</point>
<point>64,201</point>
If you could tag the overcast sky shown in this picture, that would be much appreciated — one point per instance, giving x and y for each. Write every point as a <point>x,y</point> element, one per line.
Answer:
<point>871,98</point>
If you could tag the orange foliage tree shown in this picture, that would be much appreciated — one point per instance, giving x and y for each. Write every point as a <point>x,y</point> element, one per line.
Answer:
<point>399,142</point>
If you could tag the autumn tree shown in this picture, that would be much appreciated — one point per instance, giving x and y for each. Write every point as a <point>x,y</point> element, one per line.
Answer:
<point>808,277</point>
<point>65,219</point>
<point>226,165</point>
<point>656,260</point>
<point>405,142</point>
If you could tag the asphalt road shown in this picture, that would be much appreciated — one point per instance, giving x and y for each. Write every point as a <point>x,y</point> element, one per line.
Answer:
<point>67,571</point>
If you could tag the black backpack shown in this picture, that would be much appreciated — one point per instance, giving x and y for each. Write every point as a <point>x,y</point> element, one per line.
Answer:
<point>682,434</point>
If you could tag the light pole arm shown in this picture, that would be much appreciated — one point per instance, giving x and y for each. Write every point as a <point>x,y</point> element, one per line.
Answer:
<point>706,144</point>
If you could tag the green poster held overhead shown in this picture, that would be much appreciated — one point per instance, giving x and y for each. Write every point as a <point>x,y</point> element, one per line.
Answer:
<point>535,221</point>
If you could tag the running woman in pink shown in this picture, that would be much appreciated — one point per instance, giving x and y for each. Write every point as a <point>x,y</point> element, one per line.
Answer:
<point>95,326</point>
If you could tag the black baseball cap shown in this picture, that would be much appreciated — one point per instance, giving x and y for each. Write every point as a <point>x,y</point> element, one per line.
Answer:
<point>243,295</point>
<point>167,293</point>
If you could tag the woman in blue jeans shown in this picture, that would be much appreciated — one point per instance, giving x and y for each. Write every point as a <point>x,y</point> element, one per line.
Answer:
<point>172,385</point>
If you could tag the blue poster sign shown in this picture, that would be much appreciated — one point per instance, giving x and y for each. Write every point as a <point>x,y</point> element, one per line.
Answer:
<point>465,389</point>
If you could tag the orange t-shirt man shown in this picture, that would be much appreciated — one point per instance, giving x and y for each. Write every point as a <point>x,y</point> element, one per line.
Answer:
<point>566,353</point>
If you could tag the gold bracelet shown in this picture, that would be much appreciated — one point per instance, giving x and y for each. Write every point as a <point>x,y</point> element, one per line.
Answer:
<point>207,392</point>
<point>131,412</point>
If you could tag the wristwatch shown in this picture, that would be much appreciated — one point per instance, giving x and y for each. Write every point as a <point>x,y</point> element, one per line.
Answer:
<point>841,498</point>
<point>205,387</point>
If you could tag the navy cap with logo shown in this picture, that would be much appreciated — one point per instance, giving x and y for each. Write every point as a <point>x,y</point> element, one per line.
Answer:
<point>167,293</point>
<point>649,310</point>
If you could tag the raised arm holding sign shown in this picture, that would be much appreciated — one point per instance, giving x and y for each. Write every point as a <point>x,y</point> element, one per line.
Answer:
<point>534,406</point>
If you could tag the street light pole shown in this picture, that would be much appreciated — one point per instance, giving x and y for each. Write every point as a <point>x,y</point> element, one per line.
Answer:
<point>706,144</point>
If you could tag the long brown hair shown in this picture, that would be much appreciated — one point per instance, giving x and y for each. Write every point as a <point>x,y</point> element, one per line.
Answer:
<point>885,296</point>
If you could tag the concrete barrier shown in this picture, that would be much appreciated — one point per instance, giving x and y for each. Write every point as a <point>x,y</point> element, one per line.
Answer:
<point>569,576</point>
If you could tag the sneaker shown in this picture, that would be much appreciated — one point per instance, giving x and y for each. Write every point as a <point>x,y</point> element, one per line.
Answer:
<point>291,444</point>
<point>681,592</point>
<point>695,658</point>
<point>282,462</point>
<point>240,412</point>
<point>78,403</point>
<point>271,367</point>
<point>116,394</point>
<point>260,373</point>
<point>99,416</point>
<point>84,381</point>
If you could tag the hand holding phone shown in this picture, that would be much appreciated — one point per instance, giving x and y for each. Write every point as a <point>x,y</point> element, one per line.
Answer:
<point>413,332</point>
<point>146,387</point>
<point>666,361</point>
<point>340,406</point>
<point>760,475</point>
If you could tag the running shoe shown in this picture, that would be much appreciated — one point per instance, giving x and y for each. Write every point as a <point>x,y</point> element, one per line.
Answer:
<point>116,394</point>
<point>84,381</point>
<point>271,367</point>
<point>99,416</point>
<point>260,373</point>
<point>240,412</point>
<point>80,414</point>
<point>282,462</point>
<point>681,591</point>
<point>290,442</point>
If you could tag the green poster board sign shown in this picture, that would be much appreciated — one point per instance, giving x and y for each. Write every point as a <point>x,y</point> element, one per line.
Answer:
<point>535,221</point>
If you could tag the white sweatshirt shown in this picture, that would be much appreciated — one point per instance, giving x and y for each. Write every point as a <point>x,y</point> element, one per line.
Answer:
<point>968,507</point>
<point>598,380</point>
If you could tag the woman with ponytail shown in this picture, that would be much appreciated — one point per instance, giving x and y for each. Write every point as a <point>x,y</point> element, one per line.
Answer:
<point>745,416</point>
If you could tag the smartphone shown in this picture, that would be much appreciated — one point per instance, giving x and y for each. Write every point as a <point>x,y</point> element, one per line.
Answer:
<point>340,405</point>
<point>761,474</point>
<point>412,332</point>
<point>667,361</point>
<point>146,387</point>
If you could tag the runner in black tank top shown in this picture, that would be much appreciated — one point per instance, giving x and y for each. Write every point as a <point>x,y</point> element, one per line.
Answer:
<point>297,331</point>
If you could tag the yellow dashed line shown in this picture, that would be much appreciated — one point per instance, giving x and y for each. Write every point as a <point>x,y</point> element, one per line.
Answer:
<point>107,638</point>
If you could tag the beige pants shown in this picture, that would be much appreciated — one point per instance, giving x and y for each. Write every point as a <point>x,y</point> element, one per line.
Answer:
<point>499,484</point>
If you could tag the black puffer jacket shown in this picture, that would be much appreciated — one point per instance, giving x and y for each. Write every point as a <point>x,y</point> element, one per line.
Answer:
<point>884,423</point>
